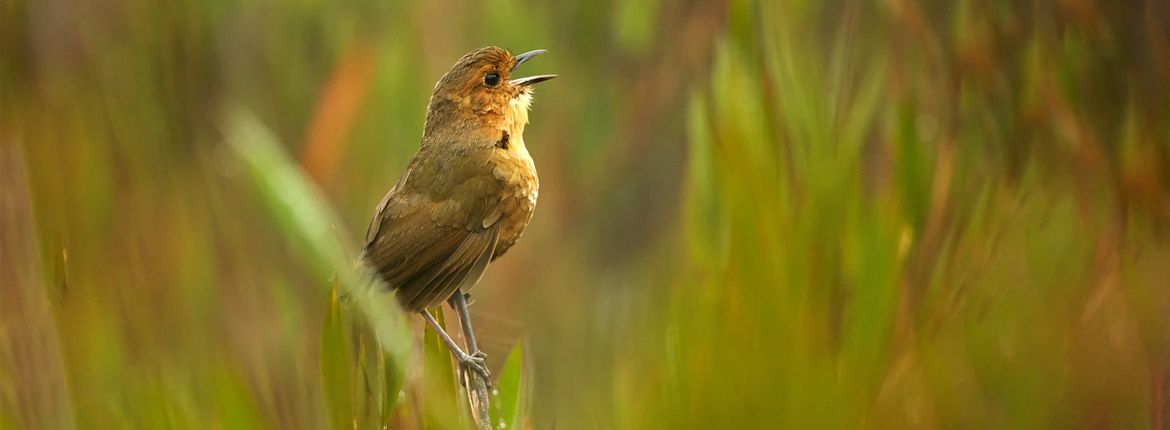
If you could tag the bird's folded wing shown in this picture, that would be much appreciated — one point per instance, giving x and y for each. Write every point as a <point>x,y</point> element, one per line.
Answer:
<point>427,260</point>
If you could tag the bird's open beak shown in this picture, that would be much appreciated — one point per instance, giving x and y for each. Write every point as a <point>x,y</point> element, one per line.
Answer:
<point>528,80</point>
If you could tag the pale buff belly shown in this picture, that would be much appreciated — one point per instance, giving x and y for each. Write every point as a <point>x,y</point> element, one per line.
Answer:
<point>517,174</point>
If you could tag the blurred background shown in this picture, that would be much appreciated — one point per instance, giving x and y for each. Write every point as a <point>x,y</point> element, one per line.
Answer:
<point>753,214</point>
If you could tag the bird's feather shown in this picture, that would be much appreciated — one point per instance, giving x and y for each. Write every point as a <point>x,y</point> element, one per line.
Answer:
<point>426,254</point>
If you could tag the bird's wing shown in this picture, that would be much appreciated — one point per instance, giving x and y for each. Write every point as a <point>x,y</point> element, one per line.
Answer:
<point>427,254</point>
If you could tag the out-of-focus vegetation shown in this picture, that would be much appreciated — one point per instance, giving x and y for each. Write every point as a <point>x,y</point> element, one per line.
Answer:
<point>948,216</point>
<point>902,214</point>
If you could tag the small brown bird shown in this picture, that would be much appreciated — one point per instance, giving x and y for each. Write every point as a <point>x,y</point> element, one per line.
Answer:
<point>467,195</point>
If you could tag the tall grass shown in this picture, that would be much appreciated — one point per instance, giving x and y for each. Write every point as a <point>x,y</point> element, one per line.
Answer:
<point>918,225</point>
<point>754,214</point>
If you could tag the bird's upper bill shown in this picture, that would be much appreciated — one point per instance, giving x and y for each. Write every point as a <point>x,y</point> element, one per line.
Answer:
<point>528,80</point>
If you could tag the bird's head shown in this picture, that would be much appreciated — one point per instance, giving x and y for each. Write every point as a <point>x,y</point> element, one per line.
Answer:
<point>480,92</point>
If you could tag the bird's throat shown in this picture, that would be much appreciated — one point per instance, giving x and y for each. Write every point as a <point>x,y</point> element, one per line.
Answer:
<point>518,110</point>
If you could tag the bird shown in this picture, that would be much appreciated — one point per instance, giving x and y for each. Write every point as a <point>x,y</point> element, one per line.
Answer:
<point>466,196</point>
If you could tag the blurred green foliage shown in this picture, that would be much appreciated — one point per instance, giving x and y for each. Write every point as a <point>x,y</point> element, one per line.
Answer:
<point>754,214</point>
<point>929,222</point>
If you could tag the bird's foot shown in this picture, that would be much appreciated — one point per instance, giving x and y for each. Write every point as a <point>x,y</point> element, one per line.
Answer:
<point>477,363</point>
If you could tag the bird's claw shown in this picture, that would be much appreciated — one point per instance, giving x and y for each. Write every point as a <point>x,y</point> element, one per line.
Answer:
<point>477,362</point>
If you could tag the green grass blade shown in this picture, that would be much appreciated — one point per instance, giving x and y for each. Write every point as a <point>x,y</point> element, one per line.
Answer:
<point>439,386</point>
<point>308,221</point>
<point>511,401</point>
<point>335,362</point>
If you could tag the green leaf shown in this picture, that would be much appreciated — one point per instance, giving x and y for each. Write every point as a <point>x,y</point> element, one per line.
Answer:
<point>439,386</point>
<point>307,220</point>
<point>391,399</point>
<point>511,399</point>
<point>335,367</point>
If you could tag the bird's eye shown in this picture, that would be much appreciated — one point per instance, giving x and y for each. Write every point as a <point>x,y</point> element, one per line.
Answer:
<point>491,79</point>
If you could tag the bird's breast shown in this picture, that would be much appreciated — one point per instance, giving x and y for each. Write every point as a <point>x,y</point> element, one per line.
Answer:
<point>514,168</point>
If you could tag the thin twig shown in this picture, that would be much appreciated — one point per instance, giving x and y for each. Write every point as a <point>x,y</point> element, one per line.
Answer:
<point>474,382</point>
<point>477,397</point>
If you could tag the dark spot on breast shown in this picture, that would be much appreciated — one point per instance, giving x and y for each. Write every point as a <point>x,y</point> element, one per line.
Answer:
<point>503,142</point>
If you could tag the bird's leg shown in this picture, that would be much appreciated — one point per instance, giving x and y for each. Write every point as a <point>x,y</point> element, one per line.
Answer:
<point>458,301</point>
<point>477,388</point>
<point>474,362</point>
